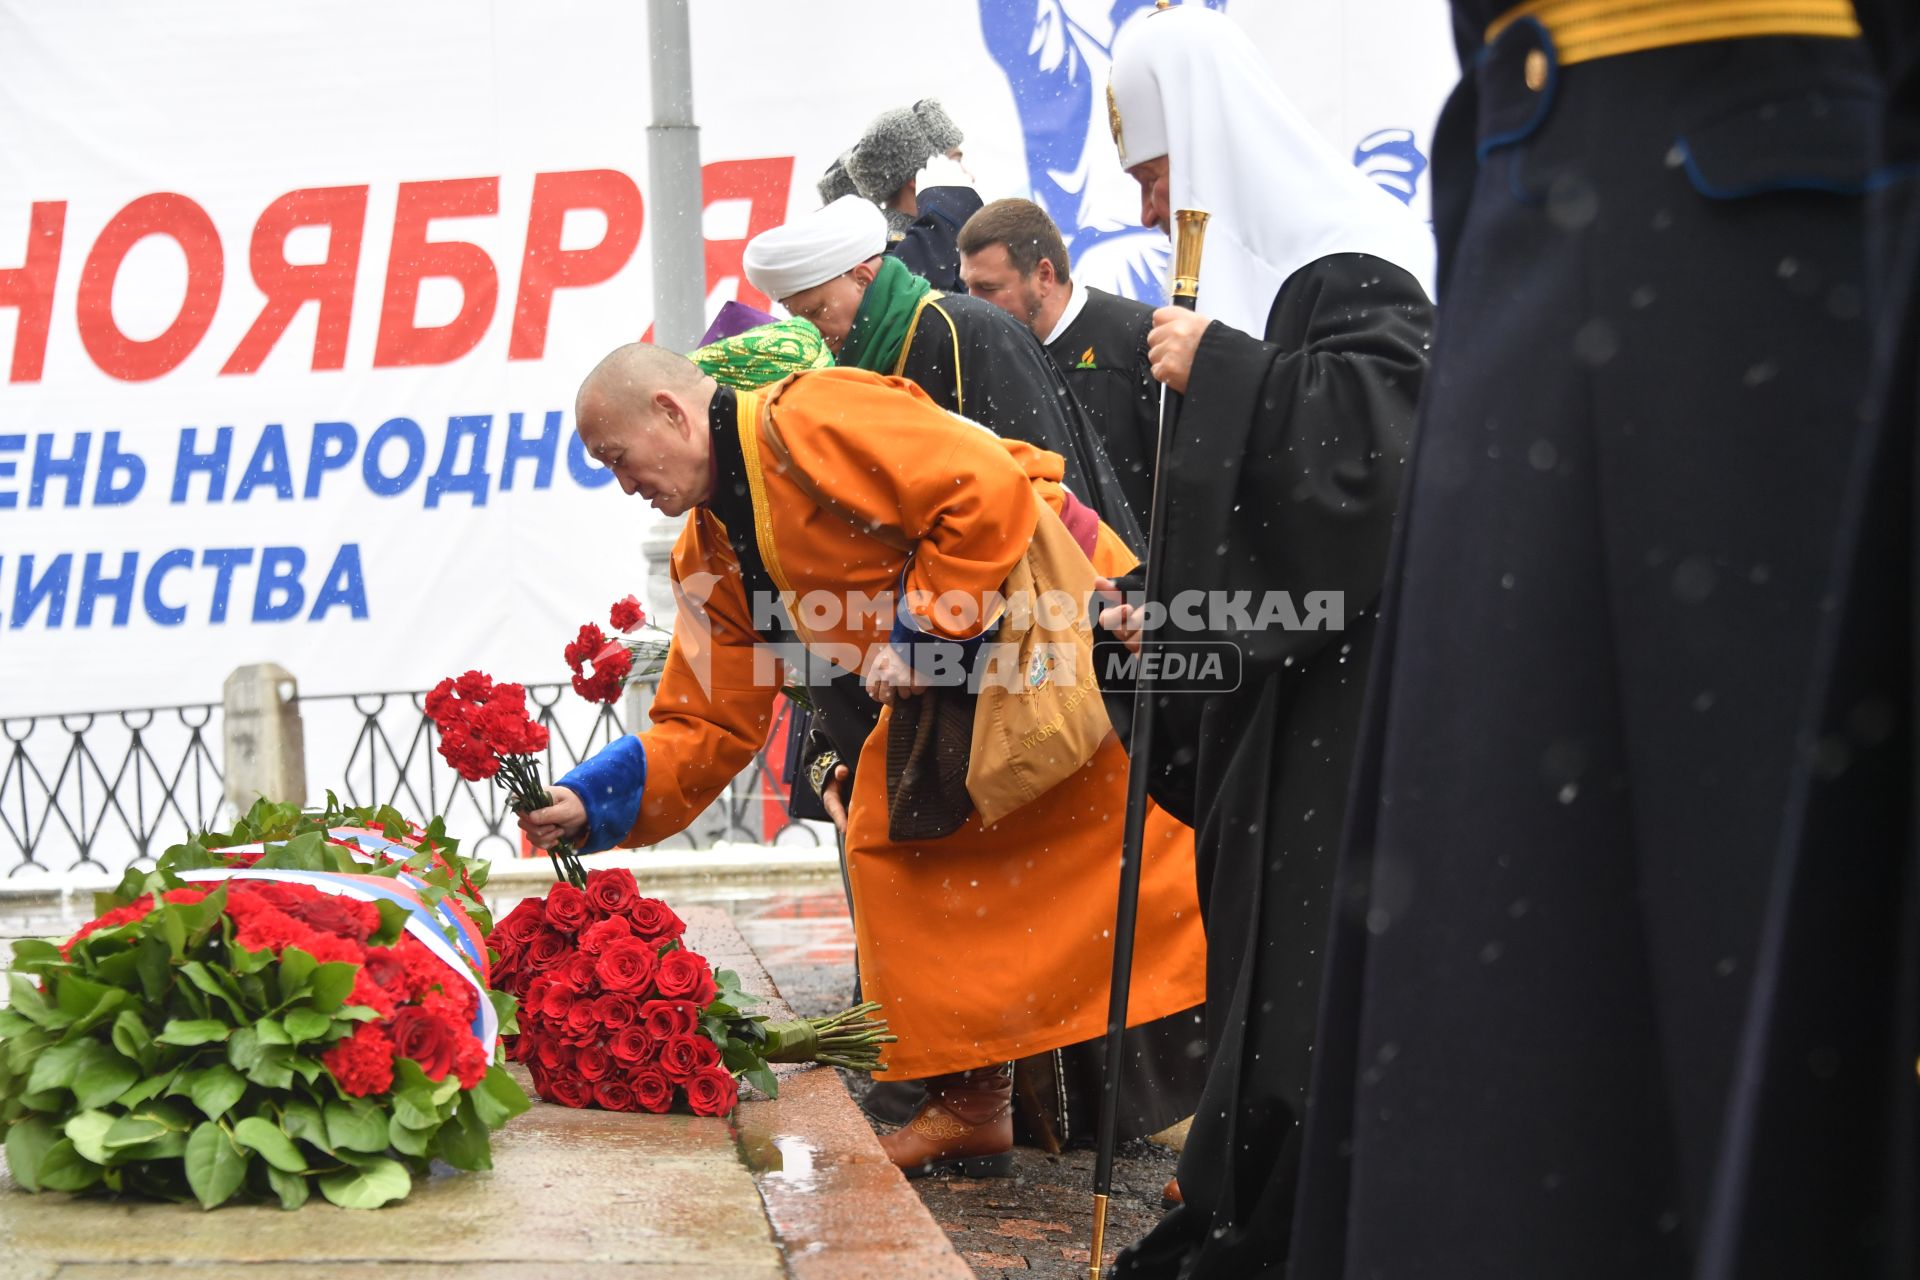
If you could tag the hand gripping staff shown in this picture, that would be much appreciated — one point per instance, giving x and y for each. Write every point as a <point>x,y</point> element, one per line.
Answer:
<point>1189,235</point>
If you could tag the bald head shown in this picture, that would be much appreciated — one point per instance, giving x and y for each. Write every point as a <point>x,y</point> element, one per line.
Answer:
<point>628,376</point>
<point>642,413</point>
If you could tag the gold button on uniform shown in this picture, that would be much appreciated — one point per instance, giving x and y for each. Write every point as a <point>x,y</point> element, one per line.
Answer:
<point>1536,69</point>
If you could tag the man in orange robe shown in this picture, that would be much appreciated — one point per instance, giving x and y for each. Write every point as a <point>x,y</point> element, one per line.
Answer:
<point>985,945</point>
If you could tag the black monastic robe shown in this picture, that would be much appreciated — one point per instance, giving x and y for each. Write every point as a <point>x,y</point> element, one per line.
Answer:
<point>1103,356</point>
<point>1284,474</point>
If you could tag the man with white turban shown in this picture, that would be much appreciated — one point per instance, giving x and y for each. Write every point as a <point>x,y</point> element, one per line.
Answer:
<point>1301,373</point>
<point>830,267</point>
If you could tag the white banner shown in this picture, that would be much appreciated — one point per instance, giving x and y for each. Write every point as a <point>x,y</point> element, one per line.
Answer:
<point>294,299</point>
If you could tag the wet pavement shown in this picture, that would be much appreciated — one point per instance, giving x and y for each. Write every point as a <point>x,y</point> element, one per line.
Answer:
<point>1034,1224</point>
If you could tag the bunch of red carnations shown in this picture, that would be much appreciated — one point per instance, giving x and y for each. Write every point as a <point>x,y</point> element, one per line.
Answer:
<point>252,1033</point>
<point>617,1012</point>
<point>603,667</point>
<point>486,732</point>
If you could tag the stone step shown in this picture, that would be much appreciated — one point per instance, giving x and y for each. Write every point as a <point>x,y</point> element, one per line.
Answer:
<point>794,1187</point>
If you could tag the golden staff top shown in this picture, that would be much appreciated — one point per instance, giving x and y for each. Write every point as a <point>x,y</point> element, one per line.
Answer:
<point>1189,236</point>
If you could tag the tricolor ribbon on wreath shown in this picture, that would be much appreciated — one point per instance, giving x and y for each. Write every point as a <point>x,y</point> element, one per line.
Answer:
<point>468,958</point>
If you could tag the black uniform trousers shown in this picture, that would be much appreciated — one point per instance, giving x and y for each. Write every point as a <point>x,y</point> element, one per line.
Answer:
<point>1599,637</point>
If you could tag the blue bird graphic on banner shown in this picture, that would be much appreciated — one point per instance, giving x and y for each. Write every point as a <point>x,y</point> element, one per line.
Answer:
<point>1055,55</point>
<point>1391,159</point>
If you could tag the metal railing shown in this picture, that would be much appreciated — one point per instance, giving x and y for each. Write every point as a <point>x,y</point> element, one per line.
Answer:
<point>93,791</point>
<point>393,761</point>
<point>96,791</point>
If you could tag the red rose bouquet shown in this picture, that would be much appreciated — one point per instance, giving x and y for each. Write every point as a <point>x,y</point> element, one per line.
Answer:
<point>617,1013</point>
<point>615,663</point>
<point>485,732</point>
<point>252,1033</point>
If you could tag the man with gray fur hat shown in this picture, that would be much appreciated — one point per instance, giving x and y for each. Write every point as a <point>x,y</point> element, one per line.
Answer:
<point>836,181</point>
<point>884,166</point>
<point>901,148</point>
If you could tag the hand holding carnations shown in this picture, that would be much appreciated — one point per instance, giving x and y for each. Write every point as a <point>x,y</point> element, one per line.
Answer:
<point>485,731</point>
<point>563,821</point>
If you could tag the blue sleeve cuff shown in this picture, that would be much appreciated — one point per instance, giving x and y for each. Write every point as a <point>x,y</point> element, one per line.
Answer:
<point>919,647</point>
<point>610,785</point>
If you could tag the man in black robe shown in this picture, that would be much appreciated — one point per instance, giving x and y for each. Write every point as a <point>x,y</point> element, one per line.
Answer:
<point>1012,255</point>
<point>1581,1011</point>
<point>1281,480</point>
<point>974,360</point>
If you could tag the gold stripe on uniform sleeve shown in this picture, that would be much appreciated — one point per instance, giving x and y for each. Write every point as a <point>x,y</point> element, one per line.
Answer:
<point>1587,30</point>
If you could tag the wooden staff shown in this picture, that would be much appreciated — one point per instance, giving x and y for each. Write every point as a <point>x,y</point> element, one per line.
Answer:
<point>1189,235</point>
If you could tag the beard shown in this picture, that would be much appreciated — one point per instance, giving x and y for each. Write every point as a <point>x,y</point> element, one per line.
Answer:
<point>1030,306</point>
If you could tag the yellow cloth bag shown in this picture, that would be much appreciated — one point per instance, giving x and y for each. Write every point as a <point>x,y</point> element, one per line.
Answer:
<point>1039,717</point>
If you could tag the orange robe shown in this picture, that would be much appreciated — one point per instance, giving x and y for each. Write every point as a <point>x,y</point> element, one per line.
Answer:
<point>991,943</point>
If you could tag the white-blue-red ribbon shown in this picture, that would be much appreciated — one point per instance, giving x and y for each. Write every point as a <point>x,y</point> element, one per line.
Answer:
<point>423,922</point>
<point>368,847</point>
<point>374,842</point>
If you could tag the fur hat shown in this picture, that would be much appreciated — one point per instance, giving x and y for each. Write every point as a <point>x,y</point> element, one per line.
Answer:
<point>943,135</point>
<point>896,145</point>
<point>835,182</point>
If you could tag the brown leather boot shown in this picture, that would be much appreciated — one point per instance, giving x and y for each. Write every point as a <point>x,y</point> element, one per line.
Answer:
<point>965,1126</point>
